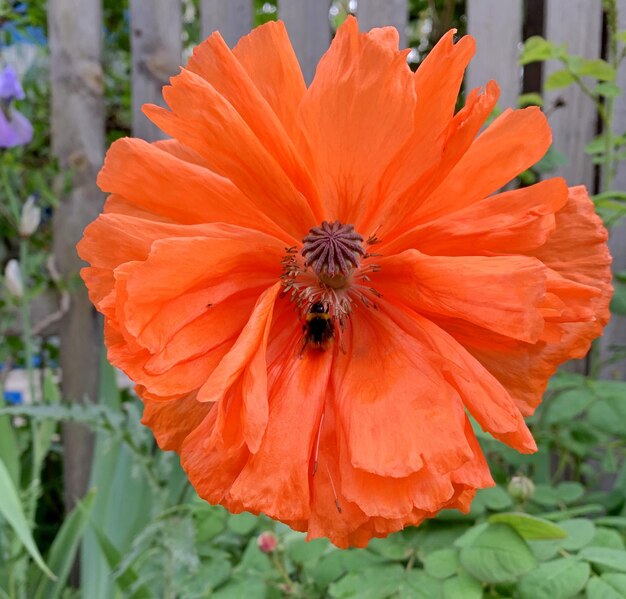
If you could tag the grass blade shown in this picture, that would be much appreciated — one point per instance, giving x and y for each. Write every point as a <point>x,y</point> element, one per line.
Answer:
<point>11,509</point>
<point>64,548</point>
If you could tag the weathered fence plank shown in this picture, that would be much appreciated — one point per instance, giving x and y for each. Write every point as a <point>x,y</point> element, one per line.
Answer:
<point>308,24</point>
<point>497,27</point>
<point>374,13</point>
<point>579,24</point>
<point>615,333</point>
<point>156,44</point>
<point>233,18</point>
<point>75,38</point>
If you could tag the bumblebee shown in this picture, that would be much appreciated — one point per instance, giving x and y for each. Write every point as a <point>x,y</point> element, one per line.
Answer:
<point>319,328</point>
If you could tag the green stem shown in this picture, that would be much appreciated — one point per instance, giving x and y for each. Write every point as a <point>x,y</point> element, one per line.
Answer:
<point>27,340</point>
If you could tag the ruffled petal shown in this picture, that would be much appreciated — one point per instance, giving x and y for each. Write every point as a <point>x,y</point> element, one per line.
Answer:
<point>362,98</point>
<point>500,293</point>
<point>159,182</point>
<point>173,419</point>
<point>400,207</point>
<point>515,141</point>
<point>405,387</point>
<point>268,58</point>
<point>578,252</point>
<point>205,121</point>
<point>215,63</point>
<point>512,222</point>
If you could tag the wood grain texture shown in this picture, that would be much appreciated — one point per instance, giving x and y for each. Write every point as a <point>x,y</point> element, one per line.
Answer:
<point>615,332</point>
<point>497,27</point>
<point>75,30</point>
<point>374,13</point>
<point>308,25</point>
<point>156,44</point>
<point>578,23</point>
<point>233,18</point>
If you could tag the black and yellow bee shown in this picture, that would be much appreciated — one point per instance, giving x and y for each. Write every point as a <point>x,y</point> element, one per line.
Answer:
<point>319,327</point>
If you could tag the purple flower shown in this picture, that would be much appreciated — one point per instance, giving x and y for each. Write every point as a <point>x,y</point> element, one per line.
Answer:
<point>15,128</point>
<point>10,86</point>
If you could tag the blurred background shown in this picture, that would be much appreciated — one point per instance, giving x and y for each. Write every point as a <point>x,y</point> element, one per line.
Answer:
<point>90,508</point>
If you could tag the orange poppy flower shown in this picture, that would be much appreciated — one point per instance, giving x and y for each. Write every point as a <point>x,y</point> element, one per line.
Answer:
<point>311,287</point>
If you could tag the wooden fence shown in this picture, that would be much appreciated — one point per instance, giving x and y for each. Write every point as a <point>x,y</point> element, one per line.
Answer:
<point>78,117</point>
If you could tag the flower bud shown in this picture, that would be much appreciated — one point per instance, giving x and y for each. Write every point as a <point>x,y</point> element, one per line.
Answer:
<point>521,488</point>
<point>267,542</point>
<point>13,278</point>
<point>30,218</point>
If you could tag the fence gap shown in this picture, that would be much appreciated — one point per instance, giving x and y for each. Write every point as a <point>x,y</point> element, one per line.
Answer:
<point>156,44</point>
<point>534,21</point>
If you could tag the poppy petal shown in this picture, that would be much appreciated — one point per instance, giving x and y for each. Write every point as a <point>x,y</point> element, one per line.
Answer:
<point>270,61</point>
<point>413,394</point>
<point>204,120</point>
<point>362,97</point>
<point>500,293</point>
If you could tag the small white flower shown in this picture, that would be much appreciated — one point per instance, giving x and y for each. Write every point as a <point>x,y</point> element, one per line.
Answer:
<point>13,278</point>
<point>30,218</point>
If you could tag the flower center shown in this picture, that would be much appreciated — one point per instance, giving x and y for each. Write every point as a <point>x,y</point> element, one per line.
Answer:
<point>324,279</point>
<point>333,251</point>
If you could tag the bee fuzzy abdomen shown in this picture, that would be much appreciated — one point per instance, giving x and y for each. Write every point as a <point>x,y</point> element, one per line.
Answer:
<point>319,328</point>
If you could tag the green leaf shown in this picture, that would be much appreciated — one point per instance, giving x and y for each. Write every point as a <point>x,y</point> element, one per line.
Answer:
<point>609,415</point>
<point>544,550</point>
<point>243,524</point>
<point>608,89</point>
<point>495,498</point>
<point>113,557</point>
<point>462,586</point>
<point>607,537</point>
<point>603,556</point>
<point>621,36</point>
<point>615,521</point>
<point>567,405</point>
<point>442,564</point>
<point>617,581</point>
<point>301,551</point>
<point>569,491</point>
<point>210,521</point>
<point>529,100</point>
<point>536,49</point>
<point>418,585</point>
<point>598,588</point>
<point>579,531</point>
<point>393,547</point>
<point>250,587</point>
<point>558,579</point>
<point>597,68</point>
<point>545,495</point>
<point>530,527</point>
<point>559,79</point>
<point>335,563</point>
<point>618,302</point>
<point>9,450</point>
<point>64,547</point>
<point>368,584</point>
<point>498,554</point>
<point>11,510</point>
